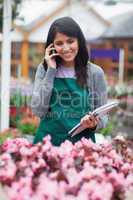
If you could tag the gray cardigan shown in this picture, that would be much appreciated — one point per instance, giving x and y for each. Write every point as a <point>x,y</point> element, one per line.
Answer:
<point>43,86</point>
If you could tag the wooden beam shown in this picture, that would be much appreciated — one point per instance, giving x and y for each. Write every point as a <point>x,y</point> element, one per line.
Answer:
<point>25,57</point>
<point>46,18</point>
<point>99,16</point>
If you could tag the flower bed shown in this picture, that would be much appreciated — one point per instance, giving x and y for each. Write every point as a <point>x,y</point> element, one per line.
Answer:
<point>9,133</point>
<point>84,171</point>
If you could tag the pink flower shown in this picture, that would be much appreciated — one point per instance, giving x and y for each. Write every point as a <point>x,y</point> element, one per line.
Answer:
<point>81,171</point>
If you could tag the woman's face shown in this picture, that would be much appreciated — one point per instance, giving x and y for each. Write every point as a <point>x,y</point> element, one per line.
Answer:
<point>67,48</point>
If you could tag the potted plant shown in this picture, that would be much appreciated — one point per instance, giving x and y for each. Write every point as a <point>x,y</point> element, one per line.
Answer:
<point>28,126</point>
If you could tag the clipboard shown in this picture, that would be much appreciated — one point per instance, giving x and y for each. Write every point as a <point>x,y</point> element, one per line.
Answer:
<point>102,110</point>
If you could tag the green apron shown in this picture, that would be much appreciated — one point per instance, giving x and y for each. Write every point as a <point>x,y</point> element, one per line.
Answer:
<point>68,104</point>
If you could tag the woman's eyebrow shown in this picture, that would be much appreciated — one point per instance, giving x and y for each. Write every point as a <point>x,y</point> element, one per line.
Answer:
<point>58,41</point>
<point>70,38</point>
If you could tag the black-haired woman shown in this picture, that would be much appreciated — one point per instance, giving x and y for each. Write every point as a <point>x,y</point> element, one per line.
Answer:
<point>67,86</point>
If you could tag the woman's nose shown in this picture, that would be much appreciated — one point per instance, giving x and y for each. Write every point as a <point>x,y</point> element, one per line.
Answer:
<point>66,47</point>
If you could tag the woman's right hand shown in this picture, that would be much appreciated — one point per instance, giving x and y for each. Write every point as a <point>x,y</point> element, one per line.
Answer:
<point>50,57</point>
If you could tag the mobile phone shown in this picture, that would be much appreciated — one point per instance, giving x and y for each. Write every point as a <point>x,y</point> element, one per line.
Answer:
<point>57,58</point>
<point>53,51</point>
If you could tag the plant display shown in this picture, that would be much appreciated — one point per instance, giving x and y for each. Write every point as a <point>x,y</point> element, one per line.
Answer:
<point>28,125</point>
<point>9,133</point>
<point>108,129</point>
<point>19,100</point>
<point>70,172</point>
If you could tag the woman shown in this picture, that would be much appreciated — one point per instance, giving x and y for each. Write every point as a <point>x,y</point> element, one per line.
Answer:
<point>67,86</point>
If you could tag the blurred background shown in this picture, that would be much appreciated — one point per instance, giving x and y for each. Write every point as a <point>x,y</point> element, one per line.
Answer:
<point>108,28</point>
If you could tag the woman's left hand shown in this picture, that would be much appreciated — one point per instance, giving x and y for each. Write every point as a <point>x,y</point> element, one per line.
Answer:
<point>89,121</point>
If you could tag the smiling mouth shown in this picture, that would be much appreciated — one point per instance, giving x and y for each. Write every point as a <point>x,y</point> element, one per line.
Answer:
<point>67,54</point>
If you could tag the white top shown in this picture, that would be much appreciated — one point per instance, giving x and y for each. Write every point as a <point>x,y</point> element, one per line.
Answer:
<point>65,72</point>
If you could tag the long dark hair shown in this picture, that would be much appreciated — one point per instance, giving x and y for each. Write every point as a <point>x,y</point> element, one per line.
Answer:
<point>69,27</point>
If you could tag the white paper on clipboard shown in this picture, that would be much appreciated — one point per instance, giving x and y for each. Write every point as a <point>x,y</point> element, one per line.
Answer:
<point>102,110</point>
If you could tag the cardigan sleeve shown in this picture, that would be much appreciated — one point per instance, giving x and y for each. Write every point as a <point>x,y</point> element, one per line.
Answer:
<point>42,90</point>
<point>100,95</point>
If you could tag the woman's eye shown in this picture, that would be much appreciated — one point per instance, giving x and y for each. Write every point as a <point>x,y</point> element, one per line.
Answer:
<point>58,43</point>
<point>70,41</point>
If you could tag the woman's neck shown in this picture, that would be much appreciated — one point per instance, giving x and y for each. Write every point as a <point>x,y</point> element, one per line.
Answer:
<point>68,64</point>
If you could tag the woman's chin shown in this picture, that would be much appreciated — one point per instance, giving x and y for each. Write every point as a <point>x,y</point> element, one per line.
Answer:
<point>68,59</point>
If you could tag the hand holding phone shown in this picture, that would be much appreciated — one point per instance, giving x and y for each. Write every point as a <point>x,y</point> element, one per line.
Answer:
<point>50,54</point>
